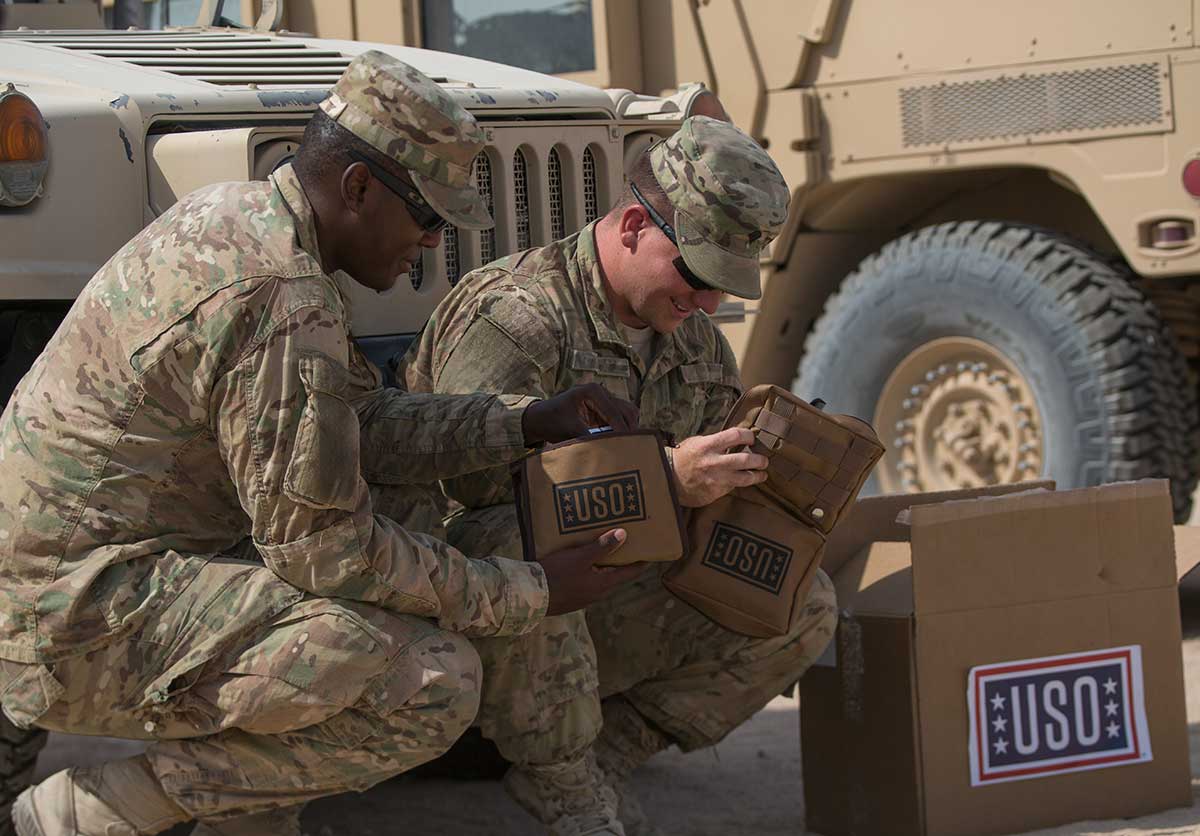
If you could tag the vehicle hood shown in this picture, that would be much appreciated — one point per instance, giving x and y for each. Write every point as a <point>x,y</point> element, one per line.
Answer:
<point>207,71</point>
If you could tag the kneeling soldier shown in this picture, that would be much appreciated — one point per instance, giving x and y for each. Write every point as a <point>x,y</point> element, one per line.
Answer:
<point>189,549</point>
<point>626,303</point>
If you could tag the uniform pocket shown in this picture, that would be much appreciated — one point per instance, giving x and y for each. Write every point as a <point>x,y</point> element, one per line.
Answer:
<point>323,471</point>
<point>610,372</point>
<point>703,388</point>
<point>29,694</point>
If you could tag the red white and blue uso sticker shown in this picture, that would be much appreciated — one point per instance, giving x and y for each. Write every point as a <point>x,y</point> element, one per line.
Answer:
<point>1037,717</point>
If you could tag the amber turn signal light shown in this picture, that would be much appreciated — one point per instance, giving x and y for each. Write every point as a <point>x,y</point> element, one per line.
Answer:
<point>24,148</point>
<point>22,131</point>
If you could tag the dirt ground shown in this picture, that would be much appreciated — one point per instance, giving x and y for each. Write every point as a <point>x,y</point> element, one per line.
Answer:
<point>749,785</point>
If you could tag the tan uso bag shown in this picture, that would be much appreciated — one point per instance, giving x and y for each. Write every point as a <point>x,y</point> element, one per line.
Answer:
<point>755,551</point>
<point>568,494</point>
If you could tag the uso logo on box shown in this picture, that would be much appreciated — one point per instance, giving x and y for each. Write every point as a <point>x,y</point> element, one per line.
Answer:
<point>747,557</point>
<point>599,501</point>
<point>1056,714</point>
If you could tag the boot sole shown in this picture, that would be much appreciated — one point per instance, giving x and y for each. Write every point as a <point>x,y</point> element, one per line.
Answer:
<point>23,818</point>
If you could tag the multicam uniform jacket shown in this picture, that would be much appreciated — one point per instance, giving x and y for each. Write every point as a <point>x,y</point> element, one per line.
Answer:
<point>204,395</point>
<point>538,322</point>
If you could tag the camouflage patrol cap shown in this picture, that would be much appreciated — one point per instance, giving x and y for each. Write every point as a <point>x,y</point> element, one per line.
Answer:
<point>730,201</point>
<point>405,115</point>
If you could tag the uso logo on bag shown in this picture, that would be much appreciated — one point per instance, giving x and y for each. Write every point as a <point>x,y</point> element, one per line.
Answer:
<point>1057,714</point>
<point>599,501</point>
<point>747,557</point>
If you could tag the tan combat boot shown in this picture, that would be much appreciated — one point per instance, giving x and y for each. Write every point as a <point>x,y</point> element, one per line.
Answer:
<point>569,797</point>
<point>284,821</point>
<point>119,798</point>
<point>626,742</point>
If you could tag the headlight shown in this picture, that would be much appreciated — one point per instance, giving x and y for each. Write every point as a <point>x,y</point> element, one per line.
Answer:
<point>24,148</point>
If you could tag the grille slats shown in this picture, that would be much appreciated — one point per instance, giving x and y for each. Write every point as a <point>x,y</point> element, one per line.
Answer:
<point>416,276</point>
<point>558,209</point>
<point>482,175</point>
<point>1097,98</point>
<point>450,246</point>
<point>459,256</point>
<point>225,59</point>
<point>591,197</point>
<point>521,198</point>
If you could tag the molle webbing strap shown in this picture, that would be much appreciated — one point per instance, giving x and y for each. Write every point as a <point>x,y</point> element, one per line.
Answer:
<point>813,464</point>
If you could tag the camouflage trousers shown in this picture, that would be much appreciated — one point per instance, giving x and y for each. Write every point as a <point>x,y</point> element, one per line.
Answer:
<point>256,695</point>
<point>691,678</point>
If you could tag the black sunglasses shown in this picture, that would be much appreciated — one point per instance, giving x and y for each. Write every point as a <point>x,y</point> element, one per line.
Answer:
<point>694,281</point>
<point>424,214</point>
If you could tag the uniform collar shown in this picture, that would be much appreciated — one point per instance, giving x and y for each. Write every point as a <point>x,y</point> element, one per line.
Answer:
<point>669,351</point>
<point>591,280</point>
<point>287,183</point>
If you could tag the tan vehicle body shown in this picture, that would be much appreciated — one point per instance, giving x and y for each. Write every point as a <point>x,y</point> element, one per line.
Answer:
<point>888,117</point>
<point>137,119</point>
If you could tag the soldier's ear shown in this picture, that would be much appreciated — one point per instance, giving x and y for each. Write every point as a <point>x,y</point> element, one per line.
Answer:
<point>630,225</point>
<point>354,186</point>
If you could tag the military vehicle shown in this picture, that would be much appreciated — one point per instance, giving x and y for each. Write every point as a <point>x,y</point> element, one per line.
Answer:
<point>993,241</point>
<point>101,131</point>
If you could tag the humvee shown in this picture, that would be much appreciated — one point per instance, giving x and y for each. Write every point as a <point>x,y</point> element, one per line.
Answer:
<point>993,244</point>
<point>101,131</point>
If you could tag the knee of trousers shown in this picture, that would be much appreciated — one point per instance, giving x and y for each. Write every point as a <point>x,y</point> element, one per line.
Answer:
<point>322,657</point>
<point>814,629</point>
<point>436,683</point>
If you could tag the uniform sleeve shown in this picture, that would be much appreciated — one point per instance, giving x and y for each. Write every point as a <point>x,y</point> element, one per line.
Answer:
<point>410,438</point>
<point>290,438</point>
<point>506,347</point>
<point>724,393</point>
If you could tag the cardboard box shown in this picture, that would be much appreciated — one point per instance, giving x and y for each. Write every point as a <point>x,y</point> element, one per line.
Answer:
<point>1005,587</point>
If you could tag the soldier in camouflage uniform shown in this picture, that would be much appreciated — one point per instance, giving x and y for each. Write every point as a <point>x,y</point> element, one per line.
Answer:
<point>625,302</point>
<point>190,553</point>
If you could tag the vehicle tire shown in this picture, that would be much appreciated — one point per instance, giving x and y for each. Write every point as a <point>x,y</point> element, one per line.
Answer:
<point>23,335</point>
<point>989,352</point>
<point>18,754</point>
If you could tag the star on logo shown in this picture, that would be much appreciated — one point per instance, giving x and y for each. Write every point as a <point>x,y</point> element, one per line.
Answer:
<point>997,703</point>
<point>1110,686</point>
<point>1110,708</point>
<point>1001,746</point>
<point>1113,729</point>
<point>1000,724</point>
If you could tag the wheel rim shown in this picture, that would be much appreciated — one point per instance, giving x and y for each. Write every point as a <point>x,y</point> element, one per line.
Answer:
<point>957,413</point>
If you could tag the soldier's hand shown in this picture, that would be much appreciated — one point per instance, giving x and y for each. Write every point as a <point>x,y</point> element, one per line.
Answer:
<point>709,466</point>
<point>575,581</point>
<point>570,414</point>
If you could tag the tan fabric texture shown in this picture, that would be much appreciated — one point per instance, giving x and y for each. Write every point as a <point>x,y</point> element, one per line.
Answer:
<point>570,493</point>
<point>754,553</point>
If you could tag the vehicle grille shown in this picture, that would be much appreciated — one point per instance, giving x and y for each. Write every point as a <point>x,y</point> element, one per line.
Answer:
<point>536,200</point>
<point>222,58</point>
<point>1034,104</point>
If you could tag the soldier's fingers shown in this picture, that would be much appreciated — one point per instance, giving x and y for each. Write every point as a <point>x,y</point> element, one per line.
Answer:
<point>630,417</point>
<point>746,478</point>
<point>605,409</point>
<point>606,544</point>
<point>614,576</point>
<point>732,437</point>
<point>745,461</point>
